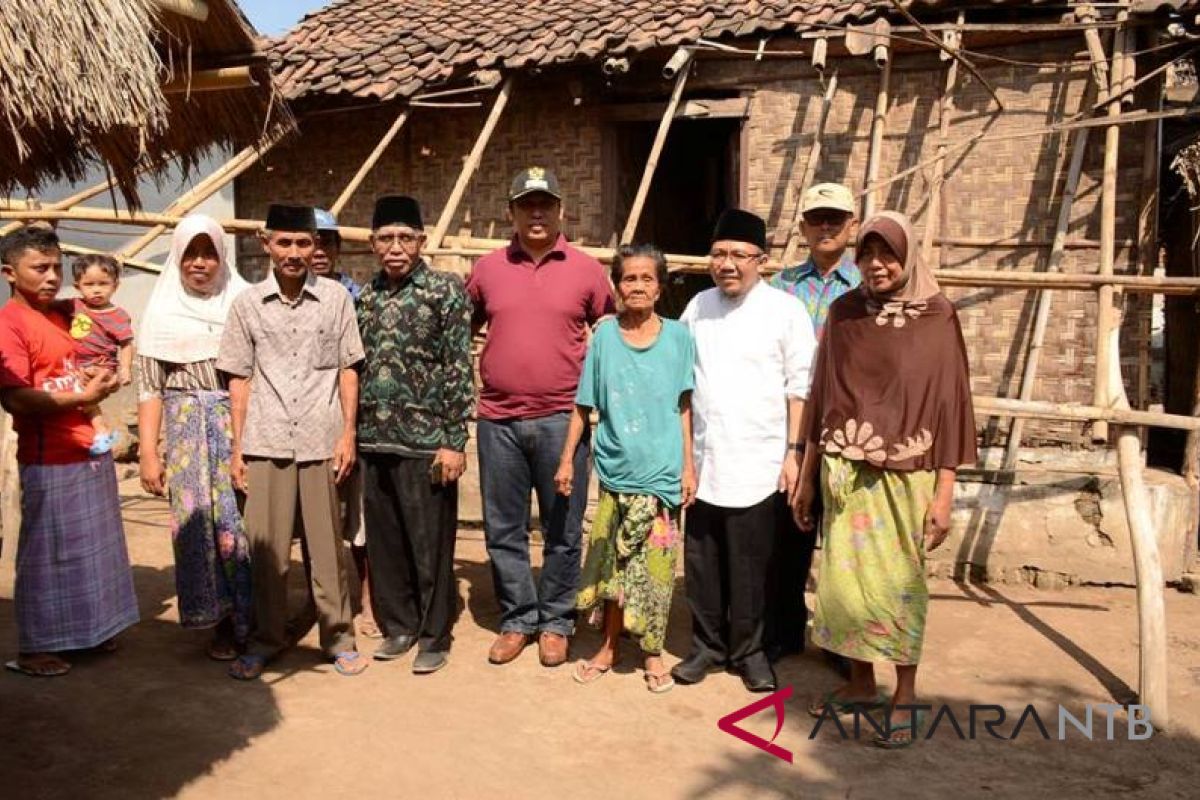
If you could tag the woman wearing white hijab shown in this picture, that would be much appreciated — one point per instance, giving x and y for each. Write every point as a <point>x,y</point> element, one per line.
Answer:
<point>178,381</point>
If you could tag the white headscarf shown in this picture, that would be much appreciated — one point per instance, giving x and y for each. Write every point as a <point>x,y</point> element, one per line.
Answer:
<point>180,326</point>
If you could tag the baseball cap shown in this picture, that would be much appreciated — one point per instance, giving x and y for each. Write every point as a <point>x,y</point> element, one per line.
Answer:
<point>534,179</point>
<point>827,195</point>
<point>326,221</point>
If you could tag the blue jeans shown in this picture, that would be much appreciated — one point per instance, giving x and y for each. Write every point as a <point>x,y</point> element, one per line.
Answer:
<point>516,456</point>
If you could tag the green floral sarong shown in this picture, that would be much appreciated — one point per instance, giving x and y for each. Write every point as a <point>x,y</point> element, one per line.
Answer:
<point>871,593</point>
<point>632,550</point>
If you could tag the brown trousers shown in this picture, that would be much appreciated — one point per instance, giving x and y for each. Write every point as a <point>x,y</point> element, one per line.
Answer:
<point>284,496</point>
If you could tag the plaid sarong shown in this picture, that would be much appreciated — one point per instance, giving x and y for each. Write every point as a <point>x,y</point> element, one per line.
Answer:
<point>74,587</point>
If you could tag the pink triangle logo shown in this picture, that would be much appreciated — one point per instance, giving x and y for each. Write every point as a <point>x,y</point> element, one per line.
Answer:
<point>776,700</point>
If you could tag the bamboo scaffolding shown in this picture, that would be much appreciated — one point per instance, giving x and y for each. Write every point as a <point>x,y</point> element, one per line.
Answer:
<point>471,164</point>
<point>67,202</point>
<point>369,164</point>
<point>194,9</point>
<point>878,123</point>
<point>810,169</point>
<point>144,266</point>
<point>656,148</point>
<point>933,211</point>
<point>211,80</point>
<point>1191,450</point>
<point>1107,317</point>
<point>1045,299</point>
<point>1071,412</point>
<point>203,190</point>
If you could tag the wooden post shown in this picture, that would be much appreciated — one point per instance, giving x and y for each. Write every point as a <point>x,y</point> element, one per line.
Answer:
<point>369,164</point>
<point>202,191</point>
<point>1107,318</point>
<point>933,211</point>
<point>1045,299</point>
<point>1191,451</point>
<point>10,491</point>
<point>878,122</point>
<point>470,165</point>
<point>660,138</point>
<point>210,80</point>
<point>810,169</point>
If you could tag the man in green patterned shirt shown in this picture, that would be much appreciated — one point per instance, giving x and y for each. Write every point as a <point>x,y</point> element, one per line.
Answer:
<point>416,395</point>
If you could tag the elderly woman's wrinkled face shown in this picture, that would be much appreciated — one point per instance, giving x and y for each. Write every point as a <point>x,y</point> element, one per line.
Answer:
<point>200,265</point>
<point>880,266</point>
<point>639,287</point>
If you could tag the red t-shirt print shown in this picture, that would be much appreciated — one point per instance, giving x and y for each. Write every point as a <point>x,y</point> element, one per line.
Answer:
<point>99,334</point>
<point>38,352</point>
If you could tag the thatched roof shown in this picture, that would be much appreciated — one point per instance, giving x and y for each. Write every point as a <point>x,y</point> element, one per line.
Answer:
<point>81,84</point>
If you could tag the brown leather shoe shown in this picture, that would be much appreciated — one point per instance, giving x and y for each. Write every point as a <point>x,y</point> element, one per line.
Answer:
<point>552,649</point>
<point>508,645</point>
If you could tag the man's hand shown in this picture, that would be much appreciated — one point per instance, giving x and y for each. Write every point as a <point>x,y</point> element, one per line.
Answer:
<point>688,485</point>
<point>802,507</point>
<point>100,384</point>
<point>343,457</point>
<point>152,473</point>
<point>453,464</point>
<point>564,478</point>
<point>237,471</point>
<point>125,377</point>
<point>789,476</point>
<point>937,523</point>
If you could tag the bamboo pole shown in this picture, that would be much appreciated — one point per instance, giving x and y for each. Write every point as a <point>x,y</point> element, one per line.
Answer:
<point>369,164</point>
<point>1045,299</point>
<point>205,189</point>
<point>656,148</point>
<point>144,266</point>
<point>471,164</point>
<point>1107,318</point>
<point>878,122</point>
<point>1071,412</point>
<point>211,80</point>
<point>192,9</point>
<point>945,107</point>
<point>810,169</point>
<point>1191,451</point>
<point>68,202</point>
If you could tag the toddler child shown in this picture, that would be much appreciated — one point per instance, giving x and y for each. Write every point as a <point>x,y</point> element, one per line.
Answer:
<point>103,333</point>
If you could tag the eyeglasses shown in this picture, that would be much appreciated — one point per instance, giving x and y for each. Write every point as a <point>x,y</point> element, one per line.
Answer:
<point>739,257</point>
<point>406,240</point>
<point>821,217</point>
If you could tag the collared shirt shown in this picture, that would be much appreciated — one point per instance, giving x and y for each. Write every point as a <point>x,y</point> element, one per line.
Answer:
<point>416,388</point>
<point>538,316</point>
<point>293,353</point>
<point>816,291</point>
<point>752,354</point>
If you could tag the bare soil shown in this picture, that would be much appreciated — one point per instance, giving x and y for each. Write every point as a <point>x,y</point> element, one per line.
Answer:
<point>157,719</point>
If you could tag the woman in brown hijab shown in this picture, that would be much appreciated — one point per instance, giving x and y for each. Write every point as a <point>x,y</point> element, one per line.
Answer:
<point>888,422</point>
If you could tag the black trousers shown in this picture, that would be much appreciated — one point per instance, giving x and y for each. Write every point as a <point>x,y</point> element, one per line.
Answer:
<point>411,524</point>
<point>787,614</point>
<point>727,556</point>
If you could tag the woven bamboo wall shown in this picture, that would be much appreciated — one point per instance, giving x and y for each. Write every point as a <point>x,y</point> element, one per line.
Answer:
<point>994,191</point>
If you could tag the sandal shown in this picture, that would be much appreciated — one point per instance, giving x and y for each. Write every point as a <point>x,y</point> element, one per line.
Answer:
<point>40,665</point>
<point>350,663</point>
<point>841,706</point>
<point>898,738</point>
<point>659,682</point>
<point>597,671</point>
<point>107,646</point>
<point>221,649</point>
<point>247,667</point>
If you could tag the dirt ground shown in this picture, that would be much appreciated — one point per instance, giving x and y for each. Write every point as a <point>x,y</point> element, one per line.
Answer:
<point>157,719</point>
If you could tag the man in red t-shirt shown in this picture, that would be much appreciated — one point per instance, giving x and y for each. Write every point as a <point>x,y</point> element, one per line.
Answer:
<point>74,588</point>
<point>538,297</point>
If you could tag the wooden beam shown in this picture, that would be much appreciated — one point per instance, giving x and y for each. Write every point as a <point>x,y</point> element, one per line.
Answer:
<point>878,123</point>
<point>192,9</point>
<point>721,108</point>
<point>1107,314</point>
<point>1038,409</point>
<point>369,164</point>
<point>952,52</point>
<point>1045,299</point>
<point>211,80</point>
<point>68,202</point>
<point>810,170</point>
<point>656,148</point>
<point>144,266</point>
<point>935,208</point>
<point>203,190</point>
<point>471,164</point>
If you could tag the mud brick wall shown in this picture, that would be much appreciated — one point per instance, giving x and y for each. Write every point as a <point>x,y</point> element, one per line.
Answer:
<point>998,190</point>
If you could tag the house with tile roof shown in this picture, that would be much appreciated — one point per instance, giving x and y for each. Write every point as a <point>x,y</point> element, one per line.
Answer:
<point>970,117</point>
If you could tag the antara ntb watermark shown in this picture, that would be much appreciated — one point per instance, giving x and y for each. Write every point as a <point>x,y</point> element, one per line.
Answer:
<point>1093,721</point>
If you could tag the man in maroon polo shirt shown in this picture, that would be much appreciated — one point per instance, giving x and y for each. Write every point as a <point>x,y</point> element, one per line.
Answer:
<point>538,297</point>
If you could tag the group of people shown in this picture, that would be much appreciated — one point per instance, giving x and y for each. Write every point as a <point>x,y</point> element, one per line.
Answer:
<point>830,403</point>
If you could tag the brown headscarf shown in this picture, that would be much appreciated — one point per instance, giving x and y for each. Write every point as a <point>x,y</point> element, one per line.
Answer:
<point>891,385</point>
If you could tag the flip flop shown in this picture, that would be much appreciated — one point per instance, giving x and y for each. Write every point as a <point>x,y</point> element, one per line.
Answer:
<point>350,663</point>
<point>16,666</point>
<point>107,646</point>
<point>102,443</point>
<point>903,736</point>
<point>655,682</point>
<point>583,667</point>
<point>222,651</point>
<point>842,706</point>
<point>247,668</point>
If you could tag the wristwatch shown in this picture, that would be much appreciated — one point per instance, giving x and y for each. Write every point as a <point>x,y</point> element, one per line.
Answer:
<point>797,446</point>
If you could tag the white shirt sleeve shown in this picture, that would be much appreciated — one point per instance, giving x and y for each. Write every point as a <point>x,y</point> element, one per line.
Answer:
<point>799,351</point>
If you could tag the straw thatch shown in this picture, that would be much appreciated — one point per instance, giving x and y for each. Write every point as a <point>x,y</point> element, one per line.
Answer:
<point>81,85</point>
